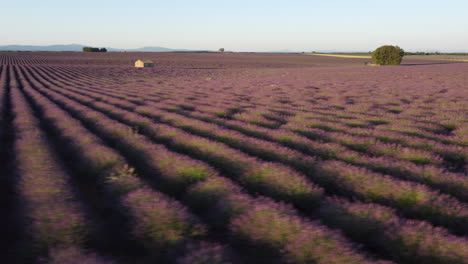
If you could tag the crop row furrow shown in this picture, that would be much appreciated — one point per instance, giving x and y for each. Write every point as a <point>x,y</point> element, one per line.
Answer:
<point>162,225</point>
<point>97,95</point>
<point>235,133</point>
<point>240,136</point>
<point>380,142</point>
<point>82,75</point>
<point>263,177</point>
<point>55,220</point>
<point>405,148</point>
<point>335,123</point>
<point>333,126</point>
<point>8,210</point>
<point>410,156</point>
<point>179,181</point>
<point>451,154</point>
<point>58,77</point>
<point>78,75</point>
<point>320,239</point>
<point>414,156</point>
<point>63,80</point>
<point>428,236</point>
<point>381,123</point>
<point>309,166</point>
<point>411,199</point>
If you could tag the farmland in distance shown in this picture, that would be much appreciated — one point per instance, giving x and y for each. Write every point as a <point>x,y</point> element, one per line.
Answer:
<point>232,158</point>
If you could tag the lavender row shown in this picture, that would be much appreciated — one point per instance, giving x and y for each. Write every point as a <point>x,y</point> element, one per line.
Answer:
<point>452,183</point>
<point>397,193</point>
<point>333,126</point>
<point>182,169</point>
<point>161,224</point>
<point>432,176</point>
<point>272,179</point>
<point>54,217</point>
<point>454,155</point>
<point>268,227</point>
<point>207,194</point>
<point>82,90</point>
<point>7,189</point>
<point>376,148</point>
<point>62,78</point>
<point>423,155</point>
<point>442,211</point>
<point>15,60</point>
<point>65,76</point>
<point>419,157</point>
<point>417,132</point>
<point>416,156</point>
<point>170,166</point>
<point>330,126</point>
<point>322,239</point>
<point>379,165</point>
<point>404,241</point>
<point>443,130</point>
<point>3,90</point>
<point>451,153</point>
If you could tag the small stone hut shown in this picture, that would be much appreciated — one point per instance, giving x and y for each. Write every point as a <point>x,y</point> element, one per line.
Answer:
<point>144,63</point>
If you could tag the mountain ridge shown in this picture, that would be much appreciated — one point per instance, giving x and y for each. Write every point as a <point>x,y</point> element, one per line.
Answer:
<point>79,47</point>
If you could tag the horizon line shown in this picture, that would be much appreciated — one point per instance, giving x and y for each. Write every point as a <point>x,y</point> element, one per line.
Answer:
<point>280,50</point>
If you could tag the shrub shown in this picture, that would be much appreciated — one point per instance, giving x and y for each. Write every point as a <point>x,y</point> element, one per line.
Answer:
<point>388,55</point>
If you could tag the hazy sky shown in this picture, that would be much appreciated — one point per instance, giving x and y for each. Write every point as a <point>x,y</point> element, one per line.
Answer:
<point>238,25</point>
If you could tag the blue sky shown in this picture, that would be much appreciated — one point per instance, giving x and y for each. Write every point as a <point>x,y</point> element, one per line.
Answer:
<point>239,25</point>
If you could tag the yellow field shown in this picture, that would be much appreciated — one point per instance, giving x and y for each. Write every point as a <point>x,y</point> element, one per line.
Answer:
<point>439,57</point>
<point>430,57</point>
<point>451,59</point>
<point>342,55</point>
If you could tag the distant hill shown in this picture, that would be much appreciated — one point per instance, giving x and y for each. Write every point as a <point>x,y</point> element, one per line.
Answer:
<point>283,51</point>
<point>70,47</point>
<point>79,47</point>
<point>154,49</point>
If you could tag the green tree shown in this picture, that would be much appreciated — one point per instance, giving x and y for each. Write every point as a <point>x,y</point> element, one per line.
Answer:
<point>388,55</point>
<point>91,49</point>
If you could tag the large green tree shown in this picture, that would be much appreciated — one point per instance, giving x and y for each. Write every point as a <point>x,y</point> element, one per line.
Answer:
<point>388,55</point>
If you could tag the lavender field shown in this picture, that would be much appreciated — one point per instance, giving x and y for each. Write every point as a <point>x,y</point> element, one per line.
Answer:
<point>217,158</point>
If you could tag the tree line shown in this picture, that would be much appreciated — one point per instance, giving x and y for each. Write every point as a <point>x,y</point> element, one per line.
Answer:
<point>91,49</point>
